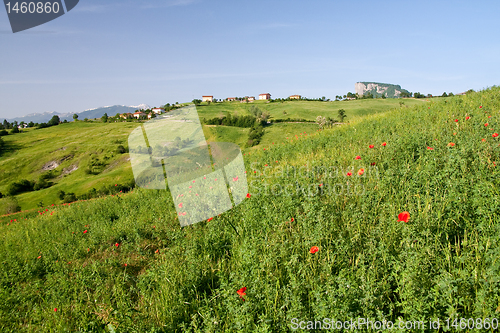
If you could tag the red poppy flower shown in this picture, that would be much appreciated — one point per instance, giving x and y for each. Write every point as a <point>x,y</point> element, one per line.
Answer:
<point>494,135</point>
<point>157,251</point>
<point>210,219</point>
<point>55,309</point>
<point>481,107</point>
<point>489,116</point>
<point>117,244</point>
<point>384,144</point>
<point>349,173</point>
<point>358,157</point>
<point>39,257</point>
<point>265,165</point>
<point>85,232</point>
<point>373,163</point>
<point>467,118</point>
<point>180,205</point>
<point>486,124</point>
<point>483,140</point>
<point>404,217</point>
<point>248,195</point>
<point>456,120</point>
<point>241,292</point>
<point>451,144</point>
<point>125,265</point>
<point>292,219</point>
<point>235,179</point>
<point>361,172</point>
<point>371,146</point>
<point>314,249</point>
<point>430,148</point>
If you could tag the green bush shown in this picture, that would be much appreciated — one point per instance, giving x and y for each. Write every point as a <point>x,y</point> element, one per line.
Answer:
<point>23,185</point>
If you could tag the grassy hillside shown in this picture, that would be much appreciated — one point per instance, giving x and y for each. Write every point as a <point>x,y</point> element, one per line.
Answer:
<point>123,263</point>
<point>308,110</point>
<point>74,145</point>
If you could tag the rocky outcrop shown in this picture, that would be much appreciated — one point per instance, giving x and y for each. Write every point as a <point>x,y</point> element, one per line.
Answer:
<point>379,89</point>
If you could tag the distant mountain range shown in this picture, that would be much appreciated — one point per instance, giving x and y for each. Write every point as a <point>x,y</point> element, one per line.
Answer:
<point>91,113</point>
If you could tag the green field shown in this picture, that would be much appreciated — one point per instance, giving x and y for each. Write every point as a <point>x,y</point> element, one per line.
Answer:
<point>122,262</point>
<point>73,144</point>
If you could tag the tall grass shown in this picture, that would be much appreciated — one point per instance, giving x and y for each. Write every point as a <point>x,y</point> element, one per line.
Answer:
<point>442,264</point>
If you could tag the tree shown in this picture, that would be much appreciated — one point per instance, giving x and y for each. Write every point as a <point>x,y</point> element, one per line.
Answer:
<point>75,117</point>
<point>104,118</point>
<point>14,130</point>
<point>31,124</point>
<point>196,101</point>
<point>342,115</point>
<point>444,94</point>
<point>54,121</point>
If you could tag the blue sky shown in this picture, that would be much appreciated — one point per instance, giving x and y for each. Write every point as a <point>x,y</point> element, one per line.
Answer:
<point>166,51</point>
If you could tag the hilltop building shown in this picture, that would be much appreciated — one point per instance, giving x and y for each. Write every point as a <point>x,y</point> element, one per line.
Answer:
<point>266,96</point>
<point>207,98</point>
<point>295,97</point>
<point>158,110</point>
<point>230,99</point>
<point>139,114</point>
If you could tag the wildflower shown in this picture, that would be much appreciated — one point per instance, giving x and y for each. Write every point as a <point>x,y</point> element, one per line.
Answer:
<point>235,179</point>
<point>349,174</point>
<point>358,157</point>
<point>467,118</point>
<point>489,116</point>
<point>456,120</point>
<point>480,106</point>
<point>404,217</point>
<point>314,249</point>
<point>39,257</point>
<point>265,165</point>
<point>371,146</point>
<point>180,205</point>
<point>486,124</point>
<point>248,195</point>
<point>210,219</point>
<point>117,244</point>
<point>430,148</point>
<point>384,144</point>
<point>85,232</point>
<point>157,251</point>
<point>125,265</point>
<point>483,140</point>
<point>373,163</point>
<point>494,135</point>
<point>241,292</point>
<point>451,144</point>
<point>116,184</point>
<point>361,172</point>
<point>292,219</point>
<point>55,309</point>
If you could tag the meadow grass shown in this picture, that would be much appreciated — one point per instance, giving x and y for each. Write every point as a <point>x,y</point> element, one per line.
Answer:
<point>122,263</point>
<point>74,144</point>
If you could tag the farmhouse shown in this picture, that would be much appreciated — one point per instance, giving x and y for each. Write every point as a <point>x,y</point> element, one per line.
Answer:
<point>265,96</point>
<point>207,98</point>
<point>138,114</point>
<point>158,110</point>
<point>295,97</point>
<point>126,115</point>
<point>252,98</point>
<point>230,99</point>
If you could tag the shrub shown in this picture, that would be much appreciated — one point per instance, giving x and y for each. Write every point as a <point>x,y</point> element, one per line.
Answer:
<point>3,132</point>
<point>69,197</point>
<point>11,206</point>
<point>20,186</point>
<point>121,150</point>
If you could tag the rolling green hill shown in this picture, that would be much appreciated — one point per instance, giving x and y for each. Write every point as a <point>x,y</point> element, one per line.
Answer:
<point>75,146</point>
<point>393,217</point>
